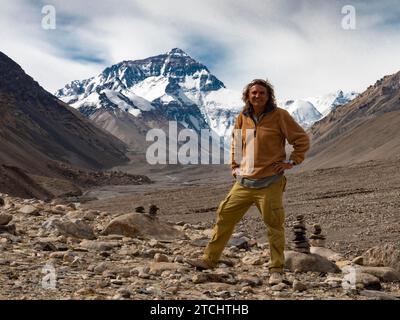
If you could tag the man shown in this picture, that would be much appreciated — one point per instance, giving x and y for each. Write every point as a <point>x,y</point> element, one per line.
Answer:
<point>260,175</point>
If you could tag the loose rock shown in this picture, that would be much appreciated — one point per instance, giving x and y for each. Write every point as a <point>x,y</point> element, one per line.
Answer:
<point>308,262</point>
<point>5,218</point>
<point>73,228</point>
<point>30,210</point>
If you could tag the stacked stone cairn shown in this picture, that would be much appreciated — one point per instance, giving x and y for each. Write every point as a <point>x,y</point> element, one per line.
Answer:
<point>317,239</point>
<point>153,210</point>
<point>140,209</point>
<point>300,240</point>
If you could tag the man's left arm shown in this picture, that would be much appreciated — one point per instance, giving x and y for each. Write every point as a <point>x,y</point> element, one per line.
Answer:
<point>296,136</point>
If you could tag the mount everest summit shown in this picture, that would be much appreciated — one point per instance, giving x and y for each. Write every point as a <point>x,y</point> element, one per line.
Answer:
<point>131,97</point>
<point>150,92</point>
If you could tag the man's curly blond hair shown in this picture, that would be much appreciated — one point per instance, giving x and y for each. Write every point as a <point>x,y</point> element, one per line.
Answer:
<point>270,92</point>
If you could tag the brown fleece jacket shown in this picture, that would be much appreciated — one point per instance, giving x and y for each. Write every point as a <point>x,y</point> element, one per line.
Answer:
<point>269,137</point>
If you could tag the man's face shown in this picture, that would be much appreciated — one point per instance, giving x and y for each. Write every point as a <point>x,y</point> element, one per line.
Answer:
<point>258,96</point>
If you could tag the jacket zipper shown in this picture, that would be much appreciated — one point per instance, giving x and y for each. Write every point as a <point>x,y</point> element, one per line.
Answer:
<point>255,124</point>
<point>255,127</point>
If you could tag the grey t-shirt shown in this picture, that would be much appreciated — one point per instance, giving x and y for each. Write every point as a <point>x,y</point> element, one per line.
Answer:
<point>257,183</point>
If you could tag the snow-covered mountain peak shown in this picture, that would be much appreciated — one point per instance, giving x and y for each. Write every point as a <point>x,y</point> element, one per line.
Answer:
<point>177,68</point>
<point>303,111</point>
<point>327,102</point>
<point>306,111</point>
<point>177,52</point>
<point>293,105</point>
<point>173,84</point>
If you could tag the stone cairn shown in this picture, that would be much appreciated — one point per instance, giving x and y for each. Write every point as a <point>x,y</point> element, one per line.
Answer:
<point>140,209</point>
<point>317,239</point>
<point>300,240</point>
<point>153,210</point>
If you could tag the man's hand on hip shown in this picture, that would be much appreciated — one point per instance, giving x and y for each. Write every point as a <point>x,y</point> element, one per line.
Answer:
<point>280,167</point>
<point>235,172</point>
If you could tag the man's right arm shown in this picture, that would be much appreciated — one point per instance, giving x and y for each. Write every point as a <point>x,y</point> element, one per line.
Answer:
<point>234,145</point>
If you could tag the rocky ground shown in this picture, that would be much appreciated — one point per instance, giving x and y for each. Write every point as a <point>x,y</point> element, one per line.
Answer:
<point>62,250</point>
<point>357,206</point>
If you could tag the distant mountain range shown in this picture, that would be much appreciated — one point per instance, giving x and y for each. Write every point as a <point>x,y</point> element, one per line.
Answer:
<point>131,97</point>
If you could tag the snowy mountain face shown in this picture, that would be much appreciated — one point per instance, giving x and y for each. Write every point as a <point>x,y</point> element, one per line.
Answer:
<point>173,83</point>
<point>326,103</point>
<point>303,112</point>
<point>309,110</point>
<point>176,87</point>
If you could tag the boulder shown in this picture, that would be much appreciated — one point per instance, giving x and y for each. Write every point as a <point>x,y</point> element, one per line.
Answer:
<point>387,255</point>
<point>308,262</point>
<point>355,278</point>
<point>385,274</point>
<point>28,209</point>
<point>73,228</point>
<point>142,225</point>
<point>361,280</point>
<point>377,295</point>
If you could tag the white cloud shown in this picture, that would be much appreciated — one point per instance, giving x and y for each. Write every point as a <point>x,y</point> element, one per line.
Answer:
<point>299,45</point>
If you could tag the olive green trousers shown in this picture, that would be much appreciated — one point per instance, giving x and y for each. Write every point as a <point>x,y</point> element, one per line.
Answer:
<point>269,202</point>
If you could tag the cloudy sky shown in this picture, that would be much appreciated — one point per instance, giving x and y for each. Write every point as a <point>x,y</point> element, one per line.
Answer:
<point>299,45</point>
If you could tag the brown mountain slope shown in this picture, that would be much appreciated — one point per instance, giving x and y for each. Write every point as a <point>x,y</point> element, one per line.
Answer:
<point>367,128</point>
<point>36,127</point>
<point>129,129</point>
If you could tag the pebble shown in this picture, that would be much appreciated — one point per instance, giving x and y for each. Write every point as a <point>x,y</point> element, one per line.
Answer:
<point>159,257</point>
<point>279,287</point>
<point>29,210</point>
<point>5,218</point>
<point>299,286</point>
